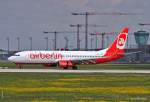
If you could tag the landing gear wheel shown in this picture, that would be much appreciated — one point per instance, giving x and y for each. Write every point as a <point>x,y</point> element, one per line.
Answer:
<point>65,68</point>
<point>75,68</point>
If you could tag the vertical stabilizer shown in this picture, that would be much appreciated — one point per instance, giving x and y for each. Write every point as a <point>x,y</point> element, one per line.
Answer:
<point>117,47</point>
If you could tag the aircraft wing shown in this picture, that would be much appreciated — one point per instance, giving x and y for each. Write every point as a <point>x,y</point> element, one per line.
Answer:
<point>88,61</point>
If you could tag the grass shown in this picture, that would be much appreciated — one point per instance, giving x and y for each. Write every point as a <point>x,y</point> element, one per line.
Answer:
<point>49,87</point>
<point>117,66</point>
<point>45,87</point>
<point>99,66</point>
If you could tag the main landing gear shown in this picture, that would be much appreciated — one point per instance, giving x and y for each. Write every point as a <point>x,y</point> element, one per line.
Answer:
<point>73,68</point>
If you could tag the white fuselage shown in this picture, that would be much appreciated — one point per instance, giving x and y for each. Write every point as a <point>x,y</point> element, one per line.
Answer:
<point>54,56</point>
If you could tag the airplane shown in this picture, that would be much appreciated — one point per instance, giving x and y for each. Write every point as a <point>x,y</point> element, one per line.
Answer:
<point>70,59</point>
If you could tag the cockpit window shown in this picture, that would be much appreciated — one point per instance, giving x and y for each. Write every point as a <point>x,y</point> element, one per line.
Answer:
<point>16,54</point>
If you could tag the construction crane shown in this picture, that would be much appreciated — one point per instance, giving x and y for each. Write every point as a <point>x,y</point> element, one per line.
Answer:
<point>8,44</point>
<point>30,38</point>
<point>67,40</point>
<point>18,42</point>
<point>91,43</point>
<point>102,34</point>
<point>86,14</point>
<point>55,35</point>
<point>78,31</point>
<point>46,38</point>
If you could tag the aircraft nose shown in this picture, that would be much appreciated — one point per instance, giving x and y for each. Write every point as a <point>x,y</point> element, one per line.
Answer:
<point>10,58</point>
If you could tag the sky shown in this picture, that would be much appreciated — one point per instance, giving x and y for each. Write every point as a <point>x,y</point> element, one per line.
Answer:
<point>29,18</point>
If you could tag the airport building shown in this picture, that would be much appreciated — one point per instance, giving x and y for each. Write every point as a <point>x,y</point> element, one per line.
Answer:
<point>5,54</point>
<point>141,38</point>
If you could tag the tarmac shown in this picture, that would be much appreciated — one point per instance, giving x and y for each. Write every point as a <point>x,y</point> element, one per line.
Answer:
<point>73,71</point>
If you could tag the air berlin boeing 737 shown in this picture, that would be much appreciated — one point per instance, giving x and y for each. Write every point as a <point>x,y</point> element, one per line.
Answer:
<point>66,59</point>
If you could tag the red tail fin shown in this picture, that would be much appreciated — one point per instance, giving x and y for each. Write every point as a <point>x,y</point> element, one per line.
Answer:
<point>118,45</point>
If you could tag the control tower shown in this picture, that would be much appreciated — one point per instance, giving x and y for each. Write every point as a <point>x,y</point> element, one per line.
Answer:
<point>141,38</point>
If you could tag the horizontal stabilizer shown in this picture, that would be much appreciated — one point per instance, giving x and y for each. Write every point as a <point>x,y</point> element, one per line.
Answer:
<point>129,53</point>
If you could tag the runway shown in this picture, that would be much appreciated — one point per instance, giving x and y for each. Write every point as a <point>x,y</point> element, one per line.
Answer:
<point>72,71</point>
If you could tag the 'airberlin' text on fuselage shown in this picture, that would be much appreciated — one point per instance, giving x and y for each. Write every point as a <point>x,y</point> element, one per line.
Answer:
<point>45,56</point>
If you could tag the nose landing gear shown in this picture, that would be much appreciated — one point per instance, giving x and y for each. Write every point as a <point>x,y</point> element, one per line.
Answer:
<point>19,65</point>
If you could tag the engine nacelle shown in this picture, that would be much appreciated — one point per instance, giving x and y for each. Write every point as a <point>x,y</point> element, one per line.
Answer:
<point>64,64</point>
